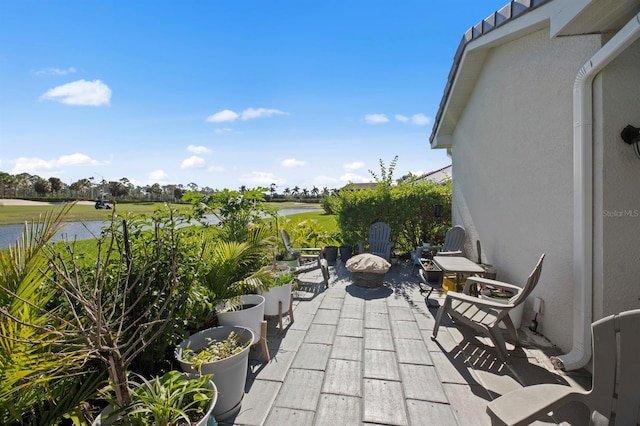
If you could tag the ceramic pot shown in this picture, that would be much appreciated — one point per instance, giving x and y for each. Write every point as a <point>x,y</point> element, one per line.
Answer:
<point>275,295</point>
<point>250,316</point>
<point>229,374</point>
<point>104,419</point>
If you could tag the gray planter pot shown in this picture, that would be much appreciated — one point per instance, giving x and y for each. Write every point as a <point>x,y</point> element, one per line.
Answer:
<point>331,253</point>
<point>229,374</point>
<point>345,252</point>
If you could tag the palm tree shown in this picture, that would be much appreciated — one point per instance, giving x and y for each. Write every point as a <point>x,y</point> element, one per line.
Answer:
<point>295,191</point>
<point>287,192</point>
<point>315,191</point>
<point>43,372</point>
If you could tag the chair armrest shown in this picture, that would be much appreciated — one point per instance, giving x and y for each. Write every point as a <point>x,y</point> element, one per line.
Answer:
<point>525,405</point>
<point>494,283</point>
<point>309,249</point>
<point>478,301</point>
<point>450,253</point>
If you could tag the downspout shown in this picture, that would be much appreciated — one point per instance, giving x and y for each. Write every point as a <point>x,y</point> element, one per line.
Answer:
<point>580,354</point>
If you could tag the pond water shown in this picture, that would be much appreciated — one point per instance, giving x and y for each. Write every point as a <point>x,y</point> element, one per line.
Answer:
<point>91,229</point>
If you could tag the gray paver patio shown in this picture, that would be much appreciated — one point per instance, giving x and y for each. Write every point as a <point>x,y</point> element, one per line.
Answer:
<point>357,356</point>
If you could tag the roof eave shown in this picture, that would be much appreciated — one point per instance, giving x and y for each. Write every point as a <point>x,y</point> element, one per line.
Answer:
<point>500,27</point>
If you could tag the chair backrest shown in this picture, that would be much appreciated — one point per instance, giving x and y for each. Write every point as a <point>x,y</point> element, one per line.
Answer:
<point>379,236</point>
<point>287,241</point>
<point>454,239</point>
<point>532,281</point>
<point>615,394</point>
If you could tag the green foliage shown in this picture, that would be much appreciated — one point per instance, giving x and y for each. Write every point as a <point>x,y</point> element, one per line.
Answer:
<point>277,278</point>
<point>408,208</point>
<point>44,375</point>
<point>385,180</point>
<point>233,268</point>
<point>171,399</point>
<point>214,350</point>
<point>235,210</point>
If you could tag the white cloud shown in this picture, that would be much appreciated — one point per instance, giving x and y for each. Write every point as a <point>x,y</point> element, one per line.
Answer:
<point>198,149</point>
<point>55,71</point>
<point>322,181</point>
<point>76,159</point>
<point>224,130</point>
<point>81,92</point>
<point>352,177</point>
<point>292,162</point>
<point>259,179</point>
<point>353,166</point>
<point>193,162</point>
<point>420,119</point>
<point>223,116</point>
<point>376,118</point>
<point>401,118</point>
<point>251,113</point>
<point>215,169</point>
<point>248,114</point>
<point>158,176</point>
<point>36,165</point>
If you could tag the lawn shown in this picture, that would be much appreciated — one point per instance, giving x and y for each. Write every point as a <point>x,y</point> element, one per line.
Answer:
<point>82,212</point>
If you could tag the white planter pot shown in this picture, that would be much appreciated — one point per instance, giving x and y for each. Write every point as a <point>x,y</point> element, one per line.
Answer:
<point>229,374</point>
<point>250,317</point>
<point>102,421</point>
<point>274,296</point>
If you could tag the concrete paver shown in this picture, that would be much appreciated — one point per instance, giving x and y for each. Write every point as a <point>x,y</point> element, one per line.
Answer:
<point>356,356</point>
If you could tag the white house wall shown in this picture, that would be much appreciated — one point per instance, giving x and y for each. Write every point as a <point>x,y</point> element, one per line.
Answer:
<point>512,167</point>
<point>617,173</point>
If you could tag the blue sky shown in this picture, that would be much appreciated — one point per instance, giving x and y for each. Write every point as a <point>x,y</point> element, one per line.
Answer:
<point>225,93</point>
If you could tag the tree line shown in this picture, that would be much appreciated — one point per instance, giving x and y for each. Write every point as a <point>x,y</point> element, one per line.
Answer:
<point>25,185</point>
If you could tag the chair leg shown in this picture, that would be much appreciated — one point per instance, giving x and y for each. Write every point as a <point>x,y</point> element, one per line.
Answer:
<point>291,309</point>
<point>512,329</point>
<point>498,341</point>
<point>439,315</point>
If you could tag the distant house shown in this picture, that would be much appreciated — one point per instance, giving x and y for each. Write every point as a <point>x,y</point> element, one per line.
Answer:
<point>442,175</point>
<point>358,186</point>
<point>531,116</point>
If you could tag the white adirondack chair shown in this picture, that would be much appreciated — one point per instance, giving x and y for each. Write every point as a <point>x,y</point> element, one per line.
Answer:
<point>614,398</point>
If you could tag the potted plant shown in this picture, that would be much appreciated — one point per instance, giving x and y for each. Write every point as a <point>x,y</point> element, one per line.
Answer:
<point>224,352</point>
<point>174,399</point>
<point>233,277</point>
<point>278,295</point>
<point>246,311</point>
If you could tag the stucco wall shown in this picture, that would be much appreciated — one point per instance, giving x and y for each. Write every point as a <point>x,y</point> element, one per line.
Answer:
<point>617,172</point>
<point>512,167</point>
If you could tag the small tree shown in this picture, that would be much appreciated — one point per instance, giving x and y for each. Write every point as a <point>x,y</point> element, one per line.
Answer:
<point>109,310</point>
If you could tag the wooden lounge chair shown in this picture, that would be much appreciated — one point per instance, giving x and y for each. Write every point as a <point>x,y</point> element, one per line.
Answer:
<point>379,242</point>
<point>453,242</point>
<point>308,257</point>
<point>484,314</point>
<point>614,398</point>
<point>452,246</point>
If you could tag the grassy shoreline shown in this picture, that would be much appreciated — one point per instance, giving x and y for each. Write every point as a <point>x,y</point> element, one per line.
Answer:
<point>19,214</point>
